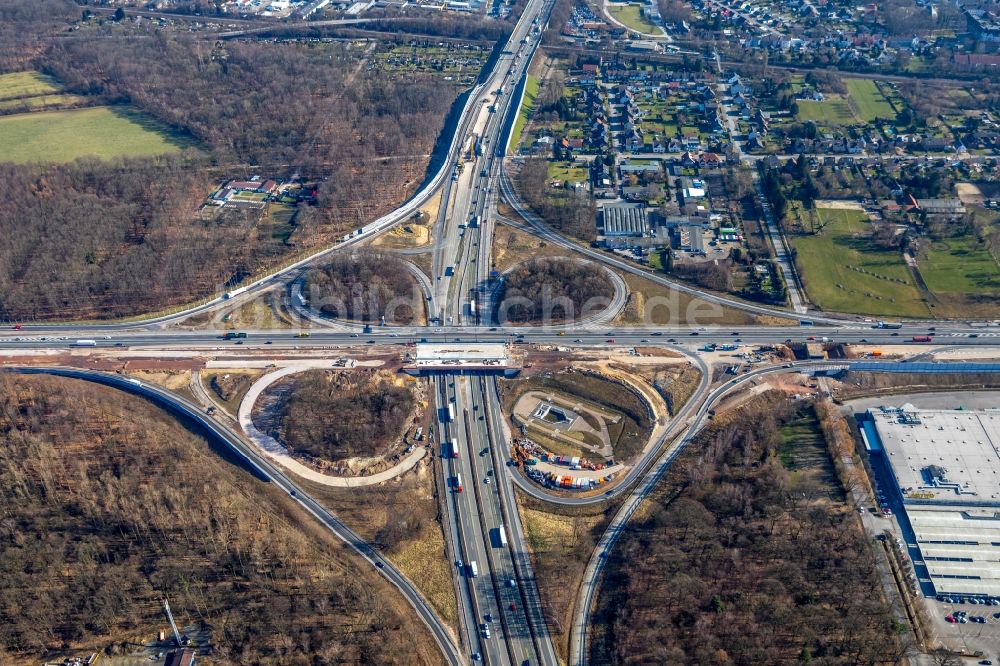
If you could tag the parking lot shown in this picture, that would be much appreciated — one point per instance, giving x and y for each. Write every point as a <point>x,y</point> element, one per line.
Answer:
<point>970,637</point>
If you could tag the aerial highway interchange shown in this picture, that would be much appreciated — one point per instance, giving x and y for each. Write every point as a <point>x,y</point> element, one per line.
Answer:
<point>501,620</point>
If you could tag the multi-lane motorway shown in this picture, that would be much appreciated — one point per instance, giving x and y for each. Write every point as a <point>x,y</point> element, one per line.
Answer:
<point>63,337</point>
<point>500,609</point>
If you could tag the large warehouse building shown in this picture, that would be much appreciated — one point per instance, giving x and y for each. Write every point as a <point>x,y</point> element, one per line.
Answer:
<point>946,465</point>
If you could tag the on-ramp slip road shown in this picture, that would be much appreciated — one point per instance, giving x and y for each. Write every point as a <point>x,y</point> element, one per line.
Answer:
<point>269,472</point>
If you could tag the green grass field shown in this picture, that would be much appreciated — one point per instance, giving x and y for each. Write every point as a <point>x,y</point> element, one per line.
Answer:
<point>570,171</point>
<point>831,262</point>
<point>631,16</point>
<point>833,110</point>
<point>23,84</point>
<point>104,132</point>
<point>527,107</point>
<point>959,266</point>
<point>869,100</point>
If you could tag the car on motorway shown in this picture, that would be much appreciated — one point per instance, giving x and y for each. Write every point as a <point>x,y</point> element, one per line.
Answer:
<point>511,582</point>
<point>986,662</point>
<point>476,656</point>
<point>658,333</point>
<point>611,341</point>
<point>578,340</point>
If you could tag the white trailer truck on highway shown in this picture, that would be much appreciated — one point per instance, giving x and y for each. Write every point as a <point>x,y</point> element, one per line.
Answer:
<point>85,343</point>
<point>501,536</point>
<point>451,411</point>
<point>473,569</point>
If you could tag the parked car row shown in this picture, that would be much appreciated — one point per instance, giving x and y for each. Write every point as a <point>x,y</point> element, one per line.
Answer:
<point>984,601</point>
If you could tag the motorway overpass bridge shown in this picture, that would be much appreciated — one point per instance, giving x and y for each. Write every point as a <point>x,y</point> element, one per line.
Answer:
<point>462,358</point>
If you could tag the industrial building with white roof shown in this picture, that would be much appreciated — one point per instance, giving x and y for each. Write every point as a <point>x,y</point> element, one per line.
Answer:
<point>946,465</point>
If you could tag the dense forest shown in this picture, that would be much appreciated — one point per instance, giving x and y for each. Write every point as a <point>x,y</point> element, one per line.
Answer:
<point>109,504</point>
<point>276,105</point>
<point>335,415</point>
<point>259,102</point>
<point>27,27</point>
<point>737,563</point>
<point>93,239</point>
<point>551,290</point>
<point>113,239</point>
<point>365,286</point>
